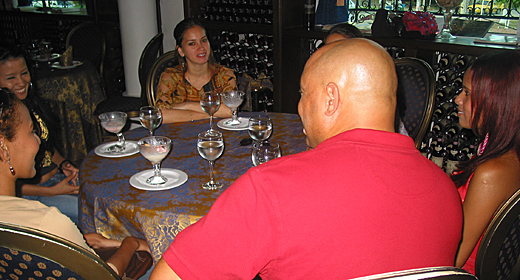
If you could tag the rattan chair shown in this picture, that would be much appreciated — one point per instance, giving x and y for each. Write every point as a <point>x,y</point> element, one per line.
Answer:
<point>416,91</point>
<point>166,60</point>
<point>128,104</point>
<point>27,253</point>
<point>88,42</point>
<point>499,251</point>
<point>441,273</point>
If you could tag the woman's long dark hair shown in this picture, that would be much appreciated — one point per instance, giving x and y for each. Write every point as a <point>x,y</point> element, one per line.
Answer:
<point>495,99</point>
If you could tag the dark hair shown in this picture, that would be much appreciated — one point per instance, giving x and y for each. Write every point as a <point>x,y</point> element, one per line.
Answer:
<point>9,116</point>
<point>345,29</point>
<point>9,51</point>
<point>495,99</point>
<point>178,35</point>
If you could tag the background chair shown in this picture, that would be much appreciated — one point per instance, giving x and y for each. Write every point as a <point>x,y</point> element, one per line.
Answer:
<point>166,60</point>
<point>88,42</point>
<point>499,251</point>
<point>26,253</point>
<point>441,273</point>
<point>416,93</point>
<point>127,104</point>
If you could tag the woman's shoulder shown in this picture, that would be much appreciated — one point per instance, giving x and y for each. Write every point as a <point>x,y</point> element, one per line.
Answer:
<point>221,69</point>
<point>502,173</point>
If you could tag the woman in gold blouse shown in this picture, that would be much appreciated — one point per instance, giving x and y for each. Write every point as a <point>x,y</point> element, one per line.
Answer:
<point>179,87</point>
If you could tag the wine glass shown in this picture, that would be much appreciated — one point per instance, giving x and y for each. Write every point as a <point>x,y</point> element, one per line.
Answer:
<point>155,149</point>
<point>233,99</point>
<point>46,51</point>
<point>150,118</point>
<point>210,103</point>
<point>263,152</point>
<point>210,147</point>
<point>260,128</point>
<point>114,122</point>
<point>449,7</point>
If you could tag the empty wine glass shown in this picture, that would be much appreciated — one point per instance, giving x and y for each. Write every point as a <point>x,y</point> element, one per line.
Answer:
<point>233,99</point>
<point>449,8</point>
<point>114,122</point>
<point>150,118</point>
<point>210,103</point>
<point>264,152</point>
<point>210,147</point>
<point>260,128</point>
<point>155,149</point>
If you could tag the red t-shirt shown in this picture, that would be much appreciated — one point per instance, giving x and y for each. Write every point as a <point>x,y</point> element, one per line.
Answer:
<point>360,203</point>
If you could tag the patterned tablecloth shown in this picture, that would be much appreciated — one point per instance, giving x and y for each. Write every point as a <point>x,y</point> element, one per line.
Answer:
<point>72,95</point>
<point>110,206</point>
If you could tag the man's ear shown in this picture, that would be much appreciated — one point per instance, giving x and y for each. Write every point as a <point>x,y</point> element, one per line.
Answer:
<point>332,99</point>
<point>4,151</point>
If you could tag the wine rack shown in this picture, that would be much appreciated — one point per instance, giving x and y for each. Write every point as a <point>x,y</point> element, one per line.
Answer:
<point>447,143</point>
<point>250,54</point>
<point>238,11</point>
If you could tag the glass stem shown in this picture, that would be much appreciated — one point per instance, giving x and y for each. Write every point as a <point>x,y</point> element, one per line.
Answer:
<point>156,169</point>
<point>211,164</point>
<point>210,122</point>
<point>151,132</point>
<point>235,116</point>
<point>121,139</point>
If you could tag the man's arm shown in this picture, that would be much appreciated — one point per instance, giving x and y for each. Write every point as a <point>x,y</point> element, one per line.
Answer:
<point>163,271</point>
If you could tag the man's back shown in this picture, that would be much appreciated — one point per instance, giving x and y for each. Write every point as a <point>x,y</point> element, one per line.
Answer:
<point>361,203</point>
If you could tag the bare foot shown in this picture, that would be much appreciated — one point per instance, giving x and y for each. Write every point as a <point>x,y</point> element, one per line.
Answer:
<point>97,241</point>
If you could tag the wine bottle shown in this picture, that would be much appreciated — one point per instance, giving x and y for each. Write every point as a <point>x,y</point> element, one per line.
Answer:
<point>438,153</point>
<point>309,14</point>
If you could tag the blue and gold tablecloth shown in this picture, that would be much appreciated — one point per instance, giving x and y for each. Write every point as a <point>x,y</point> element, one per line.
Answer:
<point>72,95</point>
<point>110,206</point>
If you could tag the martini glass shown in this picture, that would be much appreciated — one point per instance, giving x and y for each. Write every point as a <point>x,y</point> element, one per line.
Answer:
<point>155,149</point>
<point>114,122</point>
<point>210,103</point>
<point>211,147</point>
<point>233,99</point>
<point>449,7</point>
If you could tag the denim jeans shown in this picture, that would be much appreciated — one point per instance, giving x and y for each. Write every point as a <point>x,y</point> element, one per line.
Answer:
<point>66,203</point>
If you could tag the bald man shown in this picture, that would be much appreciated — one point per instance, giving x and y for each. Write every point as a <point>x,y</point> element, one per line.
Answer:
<point>362,201</point>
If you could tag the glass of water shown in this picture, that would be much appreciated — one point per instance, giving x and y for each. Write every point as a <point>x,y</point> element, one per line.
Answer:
<point>210,147</point>
<point>264,152</point>
<point>150,118</point>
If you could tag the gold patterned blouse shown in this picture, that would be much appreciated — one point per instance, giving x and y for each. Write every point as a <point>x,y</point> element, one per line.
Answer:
<point>180,90</point>
<point>44,137</point>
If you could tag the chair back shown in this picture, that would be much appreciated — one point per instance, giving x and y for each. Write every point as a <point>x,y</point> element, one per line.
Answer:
<point>440,272</point>
<point>499,251</point>
<point>416,91</point>
<point>164,61</point>
<point>150,53</point>
<point>27,253</point>
<point>88,42</point>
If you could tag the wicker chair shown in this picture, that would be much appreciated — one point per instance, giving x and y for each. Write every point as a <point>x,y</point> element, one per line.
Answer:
<point>440,273</point>
<point>416,91</point>
<point>27,253</point>
<point>499,251</point>
<point>88,42</point>
<point>166,60</point>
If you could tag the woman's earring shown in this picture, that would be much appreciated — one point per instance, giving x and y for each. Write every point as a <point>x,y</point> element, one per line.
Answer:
<point>483,145</point>
<point>10,166</point>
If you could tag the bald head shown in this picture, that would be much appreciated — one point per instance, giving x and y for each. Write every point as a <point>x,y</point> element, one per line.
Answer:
<point>345,85</point>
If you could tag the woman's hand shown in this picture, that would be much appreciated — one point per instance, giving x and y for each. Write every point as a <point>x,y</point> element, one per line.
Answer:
<point>67,186</point>
<point>97,241</point>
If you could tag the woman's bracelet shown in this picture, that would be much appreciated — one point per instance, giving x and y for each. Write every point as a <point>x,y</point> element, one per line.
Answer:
<point>60,167</point>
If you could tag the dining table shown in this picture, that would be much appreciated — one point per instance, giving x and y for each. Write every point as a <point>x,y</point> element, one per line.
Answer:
<point>72,94</point>
<point>111,206</point>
